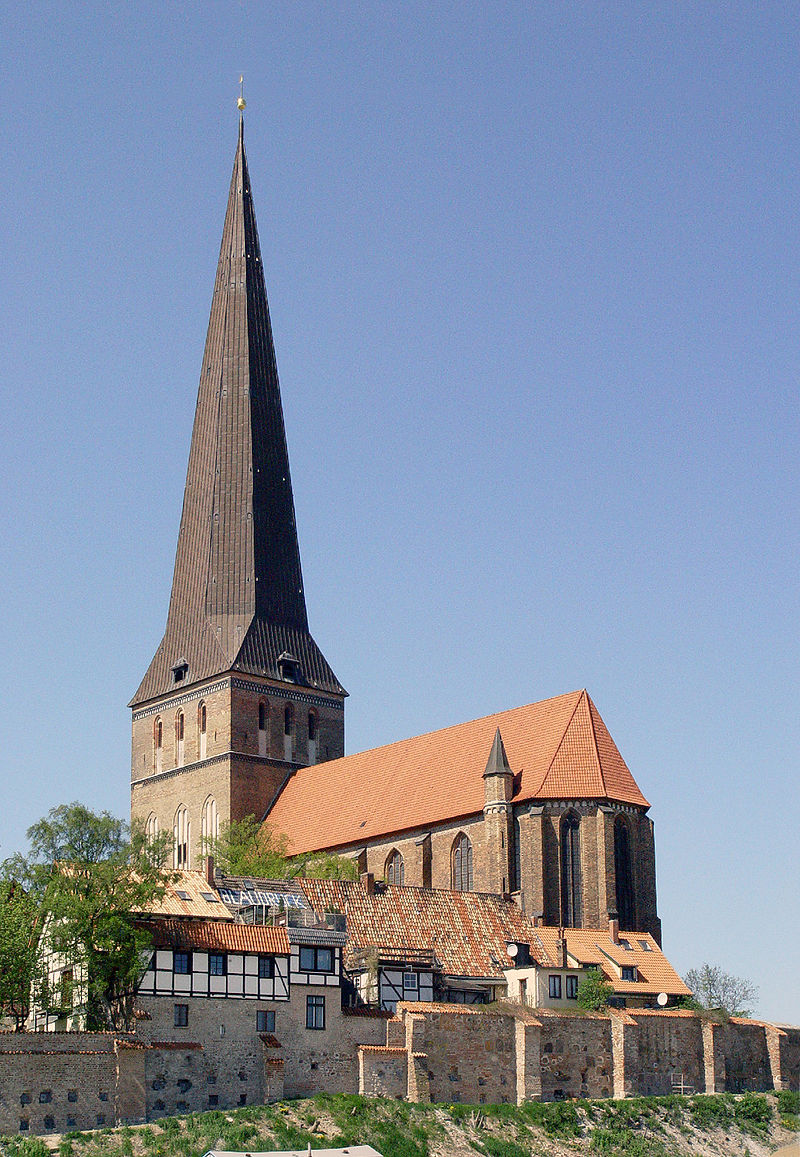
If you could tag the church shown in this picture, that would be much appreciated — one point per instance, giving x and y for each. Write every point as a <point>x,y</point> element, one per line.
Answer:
<point>240,714</point>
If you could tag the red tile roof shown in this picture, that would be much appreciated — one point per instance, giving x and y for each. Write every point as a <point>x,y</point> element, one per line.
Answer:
<point>217,936</point>
<point>559,749</point>
<point>202,899</point>
<point>592,946</point>
<point>466,931</point>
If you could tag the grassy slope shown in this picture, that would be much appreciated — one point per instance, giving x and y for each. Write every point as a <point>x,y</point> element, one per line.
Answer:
<point>751,1124</point>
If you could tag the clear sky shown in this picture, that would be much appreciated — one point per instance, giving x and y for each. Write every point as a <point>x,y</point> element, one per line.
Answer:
<point>534,280</point>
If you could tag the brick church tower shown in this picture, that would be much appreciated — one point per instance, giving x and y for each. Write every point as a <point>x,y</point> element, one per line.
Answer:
<point>238,695</point>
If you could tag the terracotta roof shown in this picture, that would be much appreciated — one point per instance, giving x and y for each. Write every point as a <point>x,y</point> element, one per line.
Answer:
<point>559,749</point>
<point>215,935</point>
<point>237,599</point>
<point>466,931</point>
<point>592,946</point>
<point>195,887</point>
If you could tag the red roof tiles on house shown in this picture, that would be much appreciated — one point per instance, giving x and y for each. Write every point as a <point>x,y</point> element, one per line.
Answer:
<point>595,946</point>
<point>466,931</point>
<point>559,749</point>
<point>216,936</point>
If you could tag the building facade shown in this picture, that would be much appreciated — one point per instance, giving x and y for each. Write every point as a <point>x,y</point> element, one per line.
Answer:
<point>240,714</point>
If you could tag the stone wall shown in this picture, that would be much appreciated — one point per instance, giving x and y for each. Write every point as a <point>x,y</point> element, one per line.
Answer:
<point>517,1054</point>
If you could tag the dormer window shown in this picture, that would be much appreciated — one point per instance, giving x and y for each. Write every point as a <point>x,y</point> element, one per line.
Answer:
<point>288,668</point>
<point>180,671</point>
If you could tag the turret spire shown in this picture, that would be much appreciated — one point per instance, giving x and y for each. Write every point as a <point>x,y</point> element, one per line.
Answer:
<point>237,598</point>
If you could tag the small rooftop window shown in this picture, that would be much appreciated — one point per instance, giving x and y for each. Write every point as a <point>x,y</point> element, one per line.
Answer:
<point>212,899</point>
<point>645,946</point>
<point>179,671</point>
<point>182,895</point>
<point>626,944</point>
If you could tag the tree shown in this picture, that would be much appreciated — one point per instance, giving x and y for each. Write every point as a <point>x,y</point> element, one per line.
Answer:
<point>91,877</point>
<point>20,957</point>
<point>594,991</point>
<point>248,848</point>
<point>713,988</point>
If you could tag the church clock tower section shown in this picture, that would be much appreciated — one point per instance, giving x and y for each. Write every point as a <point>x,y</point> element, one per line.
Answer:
<point>238,695</point>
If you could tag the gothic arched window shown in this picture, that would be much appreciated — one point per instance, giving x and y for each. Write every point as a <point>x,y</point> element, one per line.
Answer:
<point>395,870</point>
<point>209,824</point>
<point>263,719</point>
<point>151,828</point>
<point>461,864</point>
<point>181,834</point>
<point>202,719</point>
<point>312,737</point>
<point>288,727</point>
<point>158,743</point>
<point>623,871</point>
<point>571,904</point>
<point>180,732</point>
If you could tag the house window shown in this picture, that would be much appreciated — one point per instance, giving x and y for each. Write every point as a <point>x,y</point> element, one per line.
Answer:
<point>181,830</point>
<point>571,903</point>
<point>410,982</point>
<point>217,964</point>
<point>572,988</point>
<point>46,1097</point>
<point>628,972</point>
<point>266,967</point>
<point>312,726</point>
<point>265,1021</point>
<point>395,870</point>
<point>315,1012</point>
<point>555,988</point>
<point>72,1095</point>
<point>182,962</point>
<point>461,864</point>
<point>181,1015</point>
<point>316,959</point>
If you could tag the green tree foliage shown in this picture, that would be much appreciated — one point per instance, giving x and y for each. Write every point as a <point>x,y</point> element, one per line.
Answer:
<point>248,848</point>
<point>594,991</point>
<point>713,988</point>
<point>20,963</point>
<point>90,875</point>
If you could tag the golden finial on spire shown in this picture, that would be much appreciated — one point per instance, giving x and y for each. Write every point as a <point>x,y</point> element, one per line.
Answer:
<point>241,102</point>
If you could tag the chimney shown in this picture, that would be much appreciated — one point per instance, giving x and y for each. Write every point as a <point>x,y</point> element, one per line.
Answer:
<point>210,871</point>
<point>613,927</point>
<point>561,950</point>
<point>368,882</point>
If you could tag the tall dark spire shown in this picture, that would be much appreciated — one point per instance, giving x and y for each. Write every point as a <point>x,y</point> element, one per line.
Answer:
<point>237,598</point>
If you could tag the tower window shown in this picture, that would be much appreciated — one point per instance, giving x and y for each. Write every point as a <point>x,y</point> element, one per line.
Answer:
<point>158,741</point>
<point>263,719</point>
<point>180,730</point>
<point>209,825</point>
<point>181,832</point>
<point>201,728</point>
<point>287,719</point>
<point>623,871</point>
<point>180,671</point>
<point>312,726</point>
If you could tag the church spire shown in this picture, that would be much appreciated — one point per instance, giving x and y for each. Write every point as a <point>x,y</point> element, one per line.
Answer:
<point>237,599</point>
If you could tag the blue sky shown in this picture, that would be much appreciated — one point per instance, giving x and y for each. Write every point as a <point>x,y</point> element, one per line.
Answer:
<point>533,273</point>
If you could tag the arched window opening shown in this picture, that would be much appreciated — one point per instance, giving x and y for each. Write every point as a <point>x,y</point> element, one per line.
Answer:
<point>571,901</point>
<point>312,737</point>
<point>181,833</point>
<point>461,864</point>
<point>151,828</point>
<point>623,871</point>
<point>288,721</point>
<point>394,870</point>
<point>158,741</point>
<point>209,825</point>
<point>201,729</point>
<point>180,730</point>
<point>263,718</point>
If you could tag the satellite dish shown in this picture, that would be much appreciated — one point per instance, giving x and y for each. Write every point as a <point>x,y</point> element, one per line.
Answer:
<point>512,950</point>
<point>661,1000</point>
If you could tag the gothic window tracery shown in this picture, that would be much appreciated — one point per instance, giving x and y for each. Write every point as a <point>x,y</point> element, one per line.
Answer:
<point>571,876</point>
<point>180,732</point>
<point>395,869</point>
<point>623,872</point>
<point>209,824</point>
<point>263,719</point>
<point>158,742</point>
<point>201,728</point>
<point>461,864</point>
<point>181,832</point>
